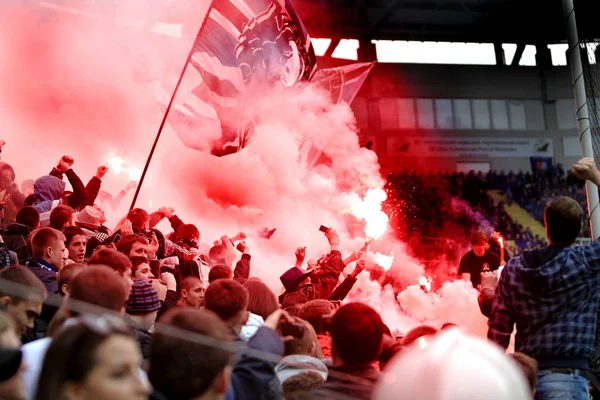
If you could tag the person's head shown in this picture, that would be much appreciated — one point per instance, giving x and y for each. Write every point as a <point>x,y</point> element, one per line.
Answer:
<point>61,217</point>
<point>65,277</point>
<point>133,246</point>
<point>217,254</point>
<point>98,359</point>
<point>563,219</point>
<point>91,217</point>
<point>97,285</point>
<point>306,345</point>
<point>7,174</point>
<point>12,366</point>
<point>28,216</point>
<point>183,368</point>
<point>76,243</point>
<point>139,219</point>
<point>314,311</point>
<point>192,292</point>
<point>48,244</point>
<point>293,311</point>
<point>443,367</point>
<point>530,369</point>
<point>140,269</point>
<point>418,332</point>
<point>219,272</point>
<point>262,301</point>
<point>118,262</point>
<point>294,299</point>
<point>22,294</point>
<point>354,324</point>
<point>143,304</point>
<point>229,300</point>
<point>479,241</point>
<point>189,235</point>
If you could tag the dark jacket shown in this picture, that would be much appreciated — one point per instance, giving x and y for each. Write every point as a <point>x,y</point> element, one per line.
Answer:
<point>47,275</point>
<point>358,384</point>
<point>324,281</point>
<point>15,238</point>
<point>142,336</point>
<point>251,377</point>
<point>169,302</point>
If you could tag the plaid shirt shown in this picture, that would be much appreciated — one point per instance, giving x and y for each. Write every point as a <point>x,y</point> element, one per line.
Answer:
<point>553,297</point>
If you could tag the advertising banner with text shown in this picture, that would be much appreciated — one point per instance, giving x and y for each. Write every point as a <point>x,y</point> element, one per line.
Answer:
<point>469,147</point>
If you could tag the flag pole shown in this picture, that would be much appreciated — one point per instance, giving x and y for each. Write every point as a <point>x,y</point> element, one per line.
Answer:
<point>166,114</point>
<point>583,120</point>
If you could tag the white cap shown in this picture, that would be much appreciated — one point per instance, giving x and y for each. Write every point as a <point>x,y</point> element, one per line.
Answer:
<point>452,366</point>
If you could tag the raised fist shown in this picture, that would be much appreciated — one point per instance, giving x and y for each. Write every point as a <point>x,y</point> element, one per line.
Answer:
<point>65,163</point>
<point>101,171</point>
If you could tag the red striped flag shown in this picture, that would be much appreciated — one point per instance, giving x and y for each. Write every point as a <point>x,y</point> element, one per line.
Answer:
<point>244,47</point>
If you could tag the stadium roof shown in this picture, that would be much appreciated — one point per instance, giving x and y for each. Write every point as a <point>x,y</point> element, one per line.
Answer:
<point>484,21</point>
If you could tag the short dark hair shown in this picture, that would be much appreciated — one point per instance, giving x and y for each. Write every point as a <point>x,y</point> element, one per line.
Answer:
<point>479,238</point>
<point>563,217</point>
<point>216,252</point>
<point>138,217</point>
<point>72,231</point>
<point>185,369</point>
<point>226,298</point>
<point>219,272</point>
<point>118,262</point>
<point>301,345</point>
<point>126,244</point>
<point>43,238</point>
<point>30,287</point>
<point>136,262</point>
<point>60,216</point>
<point>28,216</point>
<point>66,275</point>
<point>529,366</point>
<point>262,301</point>
<point>357,333</point>
<point>97,285</point>
<point>190,282</point>
<point>313,313</point>
<point>187,232</point>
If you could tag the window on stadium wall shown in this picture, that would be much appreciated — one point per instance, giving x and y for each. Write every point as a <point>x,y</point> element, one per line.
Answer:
<point>463,114</point>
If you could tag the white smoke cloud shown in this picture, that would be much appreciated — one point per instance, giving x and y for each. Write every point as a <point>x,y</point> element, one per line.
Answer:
<point>77,85</point>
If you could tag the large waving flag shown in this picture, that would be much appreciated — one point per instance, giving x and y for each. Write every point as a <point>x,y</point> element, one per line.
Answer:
<point>342,84</point>
<point>244,48</point>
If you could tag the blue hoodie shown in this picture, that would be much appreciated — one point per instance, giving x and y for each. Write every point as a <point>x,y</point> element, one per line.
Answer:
<point>47,190</point>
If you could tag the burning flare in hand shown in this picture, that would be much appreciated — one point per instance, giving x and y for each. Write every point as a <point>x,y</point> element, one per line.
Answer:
<point>369,210</point>
<point>119,165</point>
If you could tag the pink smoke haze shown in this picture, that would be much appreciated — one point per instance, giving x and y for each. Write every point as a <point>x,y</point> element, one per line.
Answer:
<point>75,83</point>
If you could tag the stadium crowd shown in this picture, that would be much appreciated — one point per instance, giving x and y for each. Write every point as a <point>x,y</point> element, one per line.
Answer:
<point>89,312</point>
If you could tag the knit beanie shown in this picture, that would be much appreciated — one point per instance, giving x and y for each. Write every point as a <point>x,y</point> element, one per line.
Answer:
<point>143,299</point>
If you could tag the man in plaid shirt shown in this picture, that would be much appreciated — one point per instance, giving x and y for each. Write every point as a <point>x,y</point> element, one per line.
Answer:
<point>552,295</point>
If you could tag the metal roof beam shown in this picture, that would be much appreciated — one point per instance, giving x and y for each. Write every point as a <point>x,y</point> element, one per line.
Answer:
<point>387,14</point>
<point>518,54</point>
